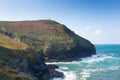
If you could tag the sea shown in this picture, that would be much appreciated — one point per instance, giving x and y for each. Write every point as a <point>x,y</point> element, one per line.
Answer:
<point>103,66</point>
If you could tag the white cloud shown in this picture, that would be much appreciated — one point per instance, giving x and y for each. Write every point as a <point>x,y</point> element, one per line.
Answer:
<point>97,32</point>
<point>87,27</point>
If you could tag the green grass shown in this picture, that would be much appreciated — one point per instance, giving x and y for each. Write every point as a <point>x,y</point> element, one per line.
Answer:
<point>45,37</point>
<point>9,50</point>
<point>11,44</point>
<point>6,73</point>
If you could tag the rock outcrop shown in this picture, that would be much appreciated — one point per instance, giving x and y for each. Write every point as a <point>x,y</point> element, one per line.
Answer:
<point>50,38</point>
<point>25,45</point>
<point>16,63</point>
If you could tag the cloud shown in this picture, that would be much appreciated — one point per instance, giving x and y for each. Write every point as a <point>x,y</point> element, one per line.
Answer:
<point>97,32</point>
<point>87,27</point>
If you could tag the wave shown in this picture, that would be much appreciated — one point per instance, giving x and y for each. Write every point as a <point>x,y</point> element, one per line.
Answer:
<point>57,79</point>
<point>68,76</point>
<point>58,62</point>
<point>64,68</point>
<point>59,70</point>
<point>96,58</point>
<point>87,72</point>
<point>85,67</point>
<point>72,62</point>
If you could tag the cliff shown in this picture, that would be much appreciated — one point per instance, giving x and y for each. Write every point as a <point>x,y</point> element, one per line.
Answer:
<point>25,45</point>
<point>18,63</point>
<point>49,38</point>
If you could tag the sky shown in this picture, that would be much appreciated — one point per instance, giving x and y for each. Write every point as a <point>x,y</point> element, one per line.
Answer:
<point>95,20</point>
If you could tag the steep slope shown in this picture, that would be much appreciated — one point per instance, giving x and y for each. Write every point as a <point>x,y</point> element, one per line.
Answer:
<point>10,48</point>
<point>50,38</point>
<point>7,53</point>
<point>11,44</point>
<point>18,63</point>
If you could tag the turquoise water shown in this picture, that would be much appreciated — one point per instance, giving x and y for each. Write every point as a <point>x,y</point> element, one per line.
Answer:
<point>104,67</point>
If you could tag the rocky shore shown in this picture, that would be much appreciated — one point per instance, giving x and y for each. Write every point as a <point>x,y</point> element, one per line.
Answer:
<point>25,46</point>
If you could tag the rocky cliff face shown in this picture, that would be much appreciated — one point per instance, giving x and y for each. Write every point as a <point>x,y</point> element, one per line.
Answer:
<point>36,70</point>
<point>24,43</point>
<point>50,38</point>
<point>18,63</point>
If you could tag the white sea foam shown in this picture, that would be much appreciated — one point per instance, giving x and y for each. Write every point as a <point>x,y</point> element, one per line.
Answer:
<point>57,78</point>
<point>59,70</point>
<point>114,67</point>
<point>58,62</point>
<point>73,62</point>
<point>64,68</point>
<point>85,74</point>
<point>96,58</point>
<point>70,75</point>
<point>87,67</point>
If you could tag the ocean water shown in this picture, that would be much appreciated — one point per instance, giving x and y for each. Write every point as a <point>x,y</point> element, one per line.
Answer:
<point>103,66</point>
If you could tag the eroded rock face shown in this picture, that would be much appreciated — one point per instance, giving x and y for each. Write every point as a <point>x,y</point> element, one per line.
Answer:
<point>54,72</point>
<point>37,70</point>
<point>49,38</point>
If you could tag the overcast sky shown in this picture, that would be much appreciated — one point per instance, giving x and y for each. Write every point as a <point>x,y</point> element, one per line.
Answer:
<point>95,20</point>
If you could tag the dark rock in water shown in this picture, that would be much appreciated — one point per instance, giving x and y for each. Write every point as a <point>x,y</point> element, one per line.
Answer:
<point>52,66</point>
<point>98,56</point>
<point>54,73</point>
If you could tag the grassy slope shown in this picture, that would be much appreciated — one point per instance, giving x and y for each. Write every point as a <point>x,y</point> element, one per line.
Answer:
<point>11,44</point>
<point>39,35</point>
<point>42,33</point>
<point>11,49</point>
<point>46,36</point>
<point>6,73</point>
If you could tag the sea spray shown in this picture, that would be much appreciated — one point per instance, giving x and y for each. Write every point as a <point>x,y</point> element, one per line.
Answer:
<point>103,66</point>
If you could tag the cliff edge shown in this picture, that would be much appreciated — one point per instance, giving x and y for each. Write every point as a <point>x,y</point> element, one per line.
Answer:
<point>49,38</point>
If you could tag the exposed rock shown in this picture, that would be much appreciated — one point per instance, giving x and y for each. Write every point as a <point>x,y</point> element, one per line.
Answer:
<point>48,37</point>
<point>43,37</point>
<point>21,62</point>
<point>54,73</point>
<point>37,68</point>
<point>2,63</point>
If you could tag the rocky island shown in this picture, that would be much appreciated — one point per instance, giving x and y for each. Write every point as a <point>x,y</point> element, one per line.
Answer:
<point>26,45</point>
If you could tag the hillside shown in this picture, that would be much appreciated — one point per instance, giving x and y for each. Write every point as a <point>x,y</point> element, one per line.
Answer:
<point>50,38</point>
<point>17,62</point>
<point>8,51</point>
<point>10,48</point>
<point>25,44</point>
<point>11,44</point>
